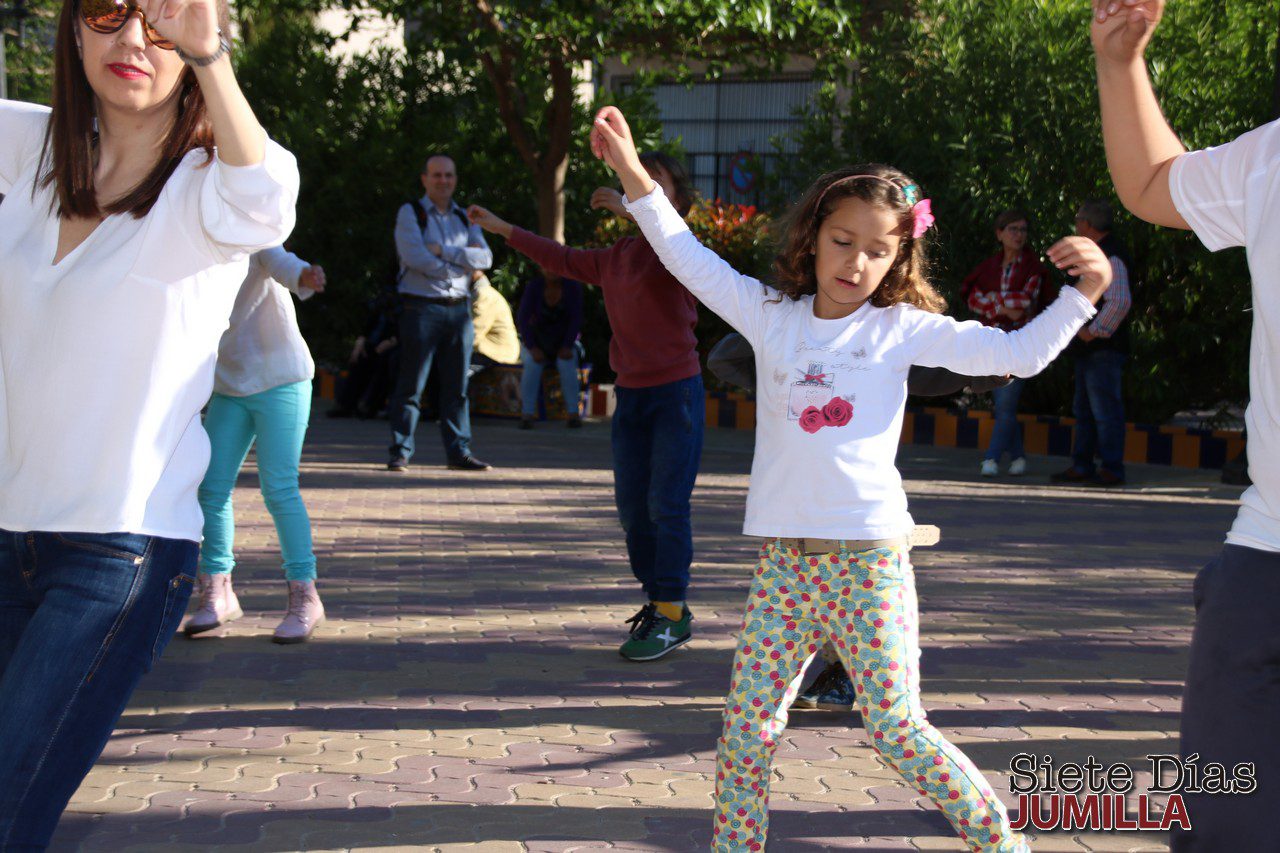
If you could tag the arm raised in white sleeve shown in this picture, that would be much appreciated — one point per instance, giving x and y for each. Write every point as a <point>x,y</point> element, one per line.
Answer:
<point>738,298</point>
<point>243,209</point>
<point>935,340</point>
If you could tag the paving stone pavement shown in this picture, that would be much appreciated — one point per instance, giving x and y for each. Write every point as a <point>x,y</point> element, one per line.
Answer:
<point>466,692</point>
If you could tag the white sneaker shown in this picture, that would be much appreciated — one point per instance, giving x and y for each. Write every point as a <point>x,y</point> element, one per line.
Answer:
<point>990,468</point>
<point>1018,467</point>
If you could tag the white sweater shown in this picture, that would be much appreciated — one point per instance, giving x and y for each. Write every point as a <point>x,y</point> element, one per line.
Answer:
<point>831,393</point>
<point>107,357</point>
<point>263,348</point>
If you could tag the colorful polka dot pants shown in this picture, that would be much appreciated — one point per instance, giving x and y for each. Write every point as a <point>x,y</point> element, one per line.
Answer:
<point>865,604</point>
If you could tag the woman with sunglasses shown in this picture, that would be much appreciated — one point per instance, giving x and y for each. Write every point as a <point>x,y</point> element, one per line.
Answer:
<point>130,212</point>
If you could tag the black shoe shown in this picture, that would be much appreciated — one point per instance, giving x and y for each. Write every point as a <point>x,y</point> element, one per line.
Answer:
<point>1106,478</point>
<point>469,463</point>
<point>832,690</point>
<point>1070,475</point>
<point>398,464</point>
<point>575,423</point>
<point>526,423</point>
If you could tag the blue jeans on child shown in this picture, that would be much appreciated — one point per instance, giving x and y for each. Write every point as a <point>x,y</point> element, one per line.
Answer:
<point>82,617</point>
<point>277,419</point>
<point>531,383</point>
<point>1006,433</point>
<point>657,445</point>
<point>1099,412</point>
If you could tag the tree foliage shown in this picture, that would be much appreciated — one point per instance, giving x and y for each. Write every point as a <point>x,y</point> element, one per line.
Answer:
<point>992,104</point>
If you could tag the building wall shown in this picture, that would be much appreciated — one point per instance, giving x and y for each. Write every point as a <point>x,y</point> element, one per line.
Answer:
<point>732,128</point>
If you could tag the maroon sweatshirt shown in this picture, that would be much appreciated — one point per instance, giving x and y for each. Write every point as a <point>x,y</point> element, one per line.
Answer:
<point>651,313</point>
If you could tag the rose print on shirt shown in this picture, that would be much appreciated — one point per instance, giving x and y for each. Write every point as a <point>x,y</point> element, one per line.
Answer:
<point>812,420</point>
<point>838,412</point>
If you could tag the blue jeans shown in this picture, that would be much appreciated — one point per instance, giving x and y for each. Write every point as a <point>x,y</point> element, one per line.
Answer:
<point>657,444</point>
<point>531,383</point>
<point>443,333</point>
<point>1006,434</point>
<point>277,419</point>
<point>1099,411</point>
<point>82,617</point>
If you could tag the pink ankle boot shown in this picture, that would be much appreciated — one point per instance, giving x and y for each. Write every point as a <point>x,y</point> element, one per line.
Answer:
<point>305,613</point>
<point>218,604</point>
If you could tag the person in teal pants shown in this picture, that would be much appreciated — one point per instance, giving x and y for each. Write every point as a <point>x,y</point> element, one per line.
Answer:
<point>262,394</point>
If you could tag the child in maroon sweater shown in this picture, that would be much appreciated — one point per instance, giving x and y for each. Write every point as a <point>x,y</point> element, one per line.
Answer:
<point>658,422</point>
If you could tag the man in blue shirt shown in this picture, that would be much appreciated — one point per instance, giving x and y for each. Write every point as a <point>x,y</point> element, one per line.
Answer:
<point>439,250</point>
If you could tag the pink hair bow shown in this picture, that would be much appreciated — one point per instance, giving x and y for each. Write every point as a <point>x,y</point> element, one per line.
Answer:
<point>922,214</point>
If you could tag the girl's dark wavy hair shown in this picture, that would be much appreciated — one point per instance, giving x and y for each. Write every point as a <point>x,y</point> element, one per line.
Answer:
<point>71,141</point>
<point>907,279</point>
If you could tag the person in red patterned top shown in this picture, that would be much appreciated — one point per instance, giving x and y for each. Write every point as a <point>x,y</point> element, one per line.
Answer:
<point>1005,291</point>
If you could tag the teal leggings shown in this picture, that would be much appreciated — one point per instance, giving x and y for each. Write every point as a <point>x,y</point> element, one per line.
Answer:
<point>277,418</point>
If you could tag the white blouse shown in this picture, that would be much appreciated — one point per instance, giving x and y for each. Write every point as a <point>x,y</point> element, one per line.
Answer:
<point>264,349</point>
<point>107,357</point>
<point>830,393</point>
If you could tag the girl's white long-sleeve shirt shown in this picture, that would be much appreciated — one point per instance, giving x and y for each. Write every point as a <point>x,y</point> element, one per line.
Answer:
<point>830,394</point>
<point>107,357</point>
<point>263,348</point>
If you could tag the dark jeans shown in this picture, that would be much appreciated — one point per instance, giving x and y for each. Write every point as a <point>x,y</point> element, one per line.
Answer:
<point>433,332</point>
<point>364,390</point>
<point>82,617</point>
<point>657,444</point>
<point>1006,433</point>
<point>1099,412</point>
<point>1231,706</point>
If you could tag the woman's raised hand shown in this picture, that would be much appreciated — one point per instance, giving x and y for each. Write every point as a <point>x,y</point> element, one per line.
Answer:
<point>489,221</point>
<point>192,25</point>
<point>1080,256</point>
<point>611,141</point>
<point>1122,28</point>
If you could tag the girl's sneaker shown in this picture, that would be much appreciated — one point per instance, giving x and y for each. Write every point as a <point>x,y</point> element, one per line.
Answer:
<point>305,613</point>
<point>1018,467</point>
<point>990,468</point>
<point>218,603</point>
<point>831,691</point>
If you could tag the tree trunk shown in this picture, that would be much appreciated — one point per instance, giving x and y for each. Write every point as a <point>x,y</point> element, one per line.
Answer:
<point>550,189</point>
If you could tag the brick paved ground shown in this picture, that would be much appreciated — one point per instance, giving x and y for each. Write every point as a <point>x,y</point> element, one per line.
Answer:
<point>466,692</point>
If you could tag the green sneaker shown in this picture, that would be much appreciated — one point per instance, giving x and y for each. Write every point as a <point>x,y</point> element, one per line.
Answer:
<point>653,635</point>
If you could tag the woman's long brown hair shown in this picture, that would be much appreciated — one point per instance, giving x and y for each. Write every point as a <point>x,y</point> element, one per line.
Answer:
<point>907,279</point>
<point>71,141</point>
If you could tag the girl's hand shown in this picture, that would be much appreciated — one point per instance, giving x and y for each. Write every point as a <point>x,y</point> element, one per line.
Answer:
<point>1122,29</point>
<point>192,25</point>
<point>611,141</point>
<point>312,278</point>
<point>1080,256</point>
<point>489,221</point>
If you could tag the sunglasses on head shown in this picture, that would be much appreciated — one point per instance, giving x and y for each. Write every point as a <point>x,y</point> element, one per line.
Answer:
<point>110,16</point>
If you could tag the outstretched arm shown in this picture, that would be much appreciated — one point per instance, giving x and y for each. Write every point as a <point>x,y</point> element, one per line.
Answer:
<point>933,340</point>
<point>581,264</point>
<point>1141,147</point>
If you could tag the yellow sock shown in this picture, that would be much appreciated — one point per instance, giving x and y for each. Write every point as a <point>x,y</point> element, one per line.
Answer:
<point>673,610</point>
